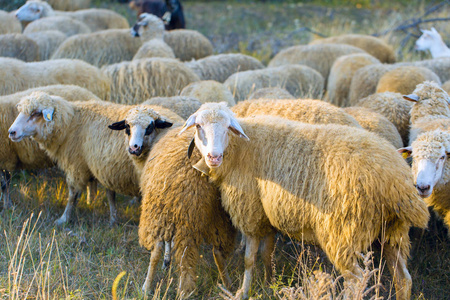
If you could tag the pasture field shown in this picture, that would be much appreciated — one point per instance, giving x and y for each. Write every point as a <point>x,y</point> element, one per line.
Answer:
<point>82,260</point>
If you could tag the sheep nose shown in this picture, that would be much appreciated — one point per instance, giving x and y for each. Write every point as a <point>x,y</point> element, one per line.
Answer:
<point>423,188</point>
<point>215,159</point>
<point>12,133</point>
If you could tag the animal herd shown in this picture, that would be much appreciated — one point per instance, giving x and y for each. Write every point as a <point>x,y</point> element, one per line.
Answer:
<point>312,146</point>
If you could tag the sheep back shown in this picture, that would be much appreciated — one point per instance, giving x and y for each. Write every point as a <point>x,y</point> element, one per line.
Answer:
<point>48,41</point>
<point>271,93</point>
<point>9,23</point>
<point>404,79</point>
<point>209,91</point>
<point>19,46</point>
<point>69,5</point>
<point>66,25</point>
<point>188,44</point>
<point>184,106</point>
<point>154,48</point>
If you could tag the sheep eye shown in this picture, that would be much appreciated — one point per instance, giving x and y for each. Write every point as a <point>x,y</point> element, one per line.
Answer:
<point>443,157</point>
<point>198,126</point>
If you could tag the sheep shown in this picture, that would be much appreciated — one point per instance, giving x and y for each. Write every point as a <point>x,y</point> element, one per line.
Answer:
<point>440,66</point>
<point>65,25</point>
<point>19,46</point>
<point>96,19</point>
<point>181,206</point>
<point>27,154</point>
<point>133,82</point>
<point>220,67</point>
<point>365,81</point>
<point>171,12</point>
<point>58,71</point>
<point>271,93</point>
<point>99,48</point>
<point>184,106</point>
<point>376,123</point>
<point>143,124</point>
<point>186,44</point>
<point>341,75</point>
<point>300,81</point>
<point>372,45</point>
<point>446,86</point>
<point>69,5</point>
<point>303,110</point>
<point>318,57</point>
<point>311,197</point>
<point>430,110</point>
<point>154,48</point>
<point>75,135</point>
<point>208,91</point>
<point>48,41</point>
<point>432,40</point>
<point>393,107</point>
<point>8,23</point>
<point>404,79</point>
<point>430,153</point>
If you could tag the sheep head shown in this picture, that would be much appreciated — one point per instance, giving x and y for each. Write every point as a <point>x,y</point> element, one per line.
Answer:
<point>428,39</point>
<point>213,122</point>
<point>430,152</point>
<point>33,10</point>
<point>36,117</point>
<point>139,125</point>
<point>148,27</point>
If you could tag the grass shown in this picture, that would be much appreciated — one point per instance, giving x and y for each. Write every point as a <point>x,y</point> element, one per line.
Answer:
<point>83,260</point>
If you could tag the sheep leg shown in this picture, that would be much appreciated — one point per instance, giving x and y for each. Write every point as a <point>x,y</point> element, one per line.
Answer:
<point>266,253</point>
<point>71,203</point>
<point>241,247</point>
<point>397,267</point>
<point>167,249</point>
<point>6,183</point>
<point>221,266</point>
<point>251,249</point>
<point>91,191</point>
<point>111,195</point>
<point>154,259</point>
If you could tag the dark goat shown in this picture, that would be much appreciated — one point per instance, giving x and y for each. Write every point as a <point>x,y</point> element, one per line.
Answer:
<point>170,11</point>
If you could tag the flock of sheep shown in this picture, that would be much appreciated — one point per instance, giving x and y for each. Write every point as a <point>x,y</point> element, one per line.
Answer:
<point>307,146</point>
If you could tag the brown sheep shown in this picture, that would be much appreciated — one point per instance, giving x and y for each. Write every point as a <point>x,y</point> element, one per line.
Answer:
<point>404,79</point>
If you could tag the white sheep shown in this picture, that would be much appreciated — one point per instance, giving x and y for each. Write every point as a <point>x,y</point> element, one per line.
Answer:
<point>27,154</point>
<point>48,41</point>
<point>95,18</point>
<point>75,135</point>
<point>313,183</point>
<point>432,40</point>
<point>430,110</point>
<point>8,23</point>
<point>430,153</point>
<point>186,44</point>
<point>66,25</point>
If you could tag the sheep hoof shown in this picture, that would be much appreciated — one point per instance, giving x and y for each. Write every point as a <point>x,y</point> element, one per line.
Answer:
<point>61,221</point>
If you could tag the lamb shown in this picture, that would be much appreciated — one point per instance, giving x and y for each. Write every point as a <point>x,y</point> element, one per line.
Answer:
<point>311,197</point>
<point>208,91</point>
<point>69,5</point>
<point>95,18</point>
<point>184,106</point>
<point>19,46</point>
<point>430,153</point>
<point>222,66</point>
<point>58,71</point>
<point>341,75</point>
<point>172,202</point>
<point>372,45</point>
<point>318,57</point>
<point>376,123</point>
<point>432,40</point>
<point>300,81</point>
<point>393,107</point>
<point>404,79</point>
<point>8,23</point>
<point>75,135</point>
<point>48,41</point>
<point>26,154</point>
<point>303,110</point>
<point>430,110</point>
<point>65,25</point>
<point>170,11</point>
<point>271,93</point>
<point>99,48</point>
<point>133,82</point>
<point>186,44</point>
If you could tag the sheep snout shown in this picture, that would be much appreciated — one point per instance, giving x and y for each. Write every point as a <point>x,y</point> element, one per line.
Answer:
<point>214,161</point>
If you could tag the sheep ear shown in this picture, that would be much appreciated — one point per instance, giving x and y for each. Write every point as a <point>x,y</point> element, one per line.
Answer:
<point>405,152</point>
<point>118,125</point>
<point>189,123</point>
<point>433,30</point>
<point>237,129</point>
<point>48,114</point>
<point>150,128</point>
<point>162,124</point>
<point>191,148</point>
<point>411,97</point>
